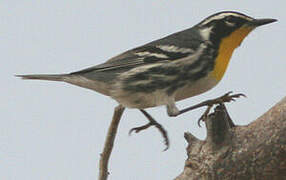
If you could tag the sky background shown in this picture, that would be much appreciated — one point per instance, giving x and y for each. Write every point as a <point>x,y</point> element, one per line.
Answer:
<point>56,131</point>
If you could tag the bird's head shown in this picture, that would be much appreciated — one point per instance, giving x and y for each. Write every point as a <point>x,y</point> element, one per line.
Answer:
<point>229,25</point>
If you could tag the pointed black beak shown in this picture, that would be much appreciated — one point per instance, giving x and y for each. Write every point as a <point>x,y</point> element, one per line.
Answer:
<point>260,22</point>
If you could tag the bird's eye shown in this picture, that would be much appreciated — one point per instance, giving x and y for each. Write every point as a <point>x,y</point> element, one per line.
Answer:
<point>229,21</point>
<point>228,18</point>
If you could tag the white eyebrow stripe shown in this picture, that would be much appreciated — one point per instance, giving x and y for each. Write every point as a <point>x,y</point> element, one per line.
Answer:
<point>223,15</point>
<point>175,49</point>
<point>146,53</point>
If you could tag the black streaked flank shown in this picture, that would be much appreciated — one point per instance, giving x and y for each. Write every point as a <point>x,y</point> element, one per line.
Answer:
<point>147,87</point>
<point>169,70</point>
<point>170,77</point>
<point>187,76</point>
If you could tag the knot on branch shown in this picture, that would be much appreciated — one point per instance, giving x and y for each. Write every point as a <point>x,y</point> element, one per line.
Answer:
<point>219,132</point>
<point>219,126</point>
<point>202,154</point>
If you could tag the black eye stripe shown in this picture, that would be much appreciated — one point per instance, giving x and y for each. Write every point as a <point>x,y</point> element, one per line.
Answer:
<point>229,18</point>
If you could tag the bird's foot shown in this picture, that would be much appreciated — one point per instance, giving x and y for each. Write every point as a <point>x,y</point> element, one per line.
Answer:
<point>220,100</point>
<point>223,99</point>
<point>152,122</point>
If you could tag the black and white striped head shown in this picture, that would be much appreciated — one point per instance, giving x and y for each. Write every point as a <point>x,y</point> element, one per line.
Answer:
<point>222,24</point>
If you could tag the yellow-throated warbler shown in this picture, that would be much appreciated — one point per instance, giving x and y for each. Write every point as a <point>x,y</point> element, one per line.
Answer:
<point>176,67</point>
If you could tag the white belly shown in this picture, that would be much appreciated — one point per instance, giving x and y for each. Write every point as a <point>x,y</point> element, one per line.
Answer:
<point>145,100</point>
<point>197,88</point>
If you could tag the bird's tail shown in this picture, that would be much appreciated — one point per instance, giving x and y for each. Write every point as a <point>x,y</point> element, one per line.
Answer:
<point>49,77</point>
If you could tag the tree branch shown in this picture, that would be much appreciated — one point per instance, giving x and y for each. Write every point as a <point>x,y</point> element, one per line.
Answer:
<point>255,151</point>
<point>109,141</point>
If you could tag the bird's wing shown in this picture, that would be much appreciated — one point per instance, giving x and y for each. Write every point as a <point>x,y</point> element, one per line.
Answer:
<point>170,48</point>
<point>140,56</point>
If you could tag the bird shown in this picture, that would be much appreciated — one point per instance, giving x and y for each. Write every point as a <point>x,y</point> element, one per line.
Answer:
<point>164,71</point>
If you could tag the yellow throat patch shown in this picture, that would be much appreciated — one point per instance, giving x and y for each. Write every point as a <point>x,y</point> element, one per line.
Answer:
<point>226,48</point>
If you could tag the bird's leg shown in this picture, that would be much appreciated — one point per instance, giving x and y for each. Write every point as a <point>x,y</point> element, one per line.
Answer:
<point>209,103</point>
<point>152,122</point>
<point>220,100</point>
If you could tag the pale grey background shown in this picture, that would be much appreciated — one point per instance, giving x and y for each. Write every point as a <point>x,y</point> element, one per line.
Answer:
<point>55,131</point>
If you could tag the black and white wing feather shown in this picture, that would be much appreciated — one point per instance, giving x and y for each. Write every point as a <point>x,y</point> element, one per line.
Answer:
<point>160,51</point>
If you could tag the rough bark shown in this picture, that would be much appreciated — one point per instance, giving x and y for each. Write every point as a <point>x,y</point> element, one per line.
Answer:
<point>255,151</point>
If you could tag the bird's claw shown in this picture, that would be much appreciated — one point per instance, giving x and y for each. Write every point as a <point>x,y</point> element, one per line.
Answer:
<point>158,126</point>
<point>220,100</point>
<point>228,97</point>
<point>140,128</point>
<point>204,116</point>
